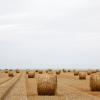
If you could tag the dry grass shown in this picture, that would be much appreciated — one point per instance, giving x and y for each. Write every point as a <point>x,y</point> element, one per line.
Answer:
<point>64,87</point>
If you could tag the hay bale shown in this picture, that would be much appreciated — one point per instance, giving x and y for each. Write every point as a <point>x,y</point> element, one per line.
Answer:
<point>58,72</point>
<point>89,72</point>
<point>82,75</point>
<point>11,74</point>
<point>46,84</point>
<point>10,70</point>
<point>76,73</point>
<point>6,71</point>
<point>93,71</point>
<point>97,70</point>
<point>69,70</point>
<point>64,70</point>
<point>17,71</point>
<point>31,75</point>
<point>95,82</point>
<point>40,71</point>
<point>27,71</point>
<point>36,70</point>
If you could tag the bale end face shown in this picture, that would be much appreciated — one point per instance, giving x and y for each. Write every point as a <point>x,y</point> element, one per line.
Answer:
<point>46,84</point>
<point>95,82</point>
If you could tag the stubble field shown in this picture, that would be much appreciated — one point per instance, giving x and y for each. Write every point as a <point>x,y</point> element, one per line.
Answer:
<point>69,87</point>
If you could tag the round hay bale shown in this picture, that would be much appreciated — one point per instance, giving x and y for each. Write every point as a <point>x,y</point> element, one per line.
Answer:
<point>46,84</point>
<point>93,71</point>
<point>95,82</point>
<point>11,74</point>
<point>31,75</point>
<point>27,71</point>
<point>6,71</point>
<point>40,71</point>
<point>76,73</point>
<point>36,70</point>
<point>89,72</point>
<point>82,75</point>
<point>17,71</point>
<point>58,72</point>
<point>68,70</point>
<point>10,70</point>
<point>64,70</point>
<point>97,70</point>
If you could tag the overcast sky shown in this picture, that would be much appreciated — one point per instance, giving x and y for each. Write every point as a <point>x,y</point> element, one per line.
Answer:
<point>50,33</point>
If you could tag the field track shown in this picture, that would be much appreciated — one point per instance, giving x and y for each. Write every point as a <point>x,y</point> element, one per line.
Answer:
<point>6,87</point>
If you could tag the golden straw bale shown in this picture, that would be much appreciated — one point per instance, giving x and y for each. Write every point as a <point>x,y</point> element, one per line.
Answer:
<point>82,75</point>
<point>64,70</point>
<point>95,82</point>
<point>93,71</point>
<point>58,72</point>
<point>31,75</point>
<point>89,72</point>
<point>46,84</point>
<point>40,71</point>
<point>76,73</point>
<point>11,74</point>
<point>27,71</point>
<point>69,70</point>
<point>17,71</point>
<point>6,71</point>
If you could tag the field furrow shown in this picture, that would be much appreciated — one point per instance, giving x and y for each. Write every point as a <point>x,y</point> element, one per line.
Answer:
<point>6,87</point>
<point>18,92</point>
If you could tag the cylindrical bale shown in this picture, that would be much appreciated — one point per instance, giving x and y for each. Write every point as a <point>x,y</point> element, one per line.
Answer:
<point>6,71</point>
<point>89,72</point>
<point>40,71</point>
<point>11,74</point>
<point>93,71</point>
<point>46,84</point>
<point>64,70</point>
<point>17,71</point>
<point>82,75</point>
<point>97,70</point>
<point>31,75</point>
<point>27,71</point>
<point>95,82</point>
<point>76,73</point>
<point>36,70</point>
<point>68,70</point>
<point>58,72</point>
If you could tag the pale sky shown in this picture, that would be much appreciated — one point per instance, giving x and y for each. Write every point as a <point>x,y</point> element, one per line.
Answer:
<point>50,33</point>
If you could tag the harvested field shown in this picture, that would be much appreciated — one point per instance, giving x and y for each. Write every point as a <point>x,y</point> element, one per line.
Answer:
<point>69,87</point>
